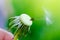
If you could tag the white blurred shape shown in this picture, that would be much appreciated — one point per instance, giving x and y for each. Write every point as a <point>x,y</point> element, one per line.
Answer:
<point>47,16</point>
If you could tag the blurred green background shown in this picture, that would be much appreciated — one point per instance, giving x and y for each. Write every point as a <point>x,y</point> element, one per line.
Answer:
<point>46,14</point>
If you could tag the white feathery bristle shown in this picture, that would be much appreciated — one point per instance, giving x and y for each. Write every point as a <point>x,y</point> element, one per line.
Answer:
<point>26,19</point>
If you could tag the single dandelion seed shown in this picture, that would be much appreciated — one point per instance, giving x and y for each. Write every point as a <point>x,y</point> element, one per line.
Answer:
<point>23,23</point>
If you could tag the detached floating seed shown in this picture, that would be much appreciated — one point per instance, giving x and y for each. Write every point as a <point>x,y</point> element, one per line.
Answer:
<point>22,24</point>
